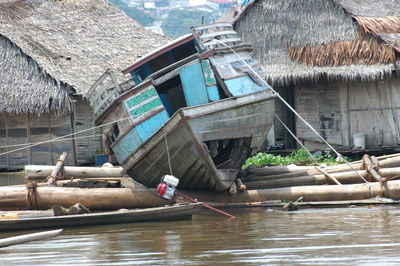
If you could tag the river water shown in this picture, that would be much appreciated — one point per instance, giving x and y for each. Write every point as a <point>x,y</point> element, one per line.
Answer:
<point>259,236</point>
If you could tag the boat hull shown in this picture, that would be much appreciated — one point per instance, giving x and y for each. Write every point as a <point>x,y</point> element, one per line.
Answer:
<point>180,146</point>
<point>166,213</point>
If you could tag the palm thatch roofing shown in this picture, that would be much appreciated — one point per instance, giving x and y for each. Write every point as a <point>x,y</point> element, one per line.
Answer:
<point>307,39</point>
<point>50,48</point>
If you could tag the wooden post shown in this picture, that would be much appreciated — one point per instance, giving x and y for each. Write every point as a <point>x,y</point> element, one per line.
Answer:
<point>328,176</point>
<point>239,184</point>
<point>57,170</point>
<point>371,168</point>
<point>233,188</point>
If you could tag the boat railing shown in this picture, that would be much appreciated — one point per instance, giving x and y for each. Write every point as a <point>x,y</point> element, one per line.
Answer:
<point>105,90</point>
<point>215,35</point>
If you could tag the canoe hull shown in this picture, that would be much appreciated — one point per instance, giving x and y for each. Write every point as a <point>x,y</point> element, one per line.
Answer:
<point>166,213</point>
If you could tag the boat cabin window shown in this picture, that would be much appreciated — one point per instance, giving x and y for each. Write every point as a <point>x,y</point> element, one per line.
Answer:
<point>171,94</point>
<point>163,60</point>
<point>112,132</point>
<point>221,91</point>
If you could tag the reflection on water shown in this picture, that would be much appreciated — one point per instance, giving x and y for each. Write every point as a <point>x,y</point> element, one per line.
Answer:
<point>339,236</point>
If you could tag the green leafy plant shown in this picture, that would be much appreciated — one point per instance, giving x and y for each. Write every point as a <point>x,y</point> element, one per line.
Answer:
<point>299,157</point>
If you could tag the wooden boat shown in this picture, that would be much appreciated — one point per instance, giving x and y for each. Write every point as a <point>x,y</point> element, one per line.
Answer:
<point>190,136</point>
<point>166,213</point>
<point>193,108</point>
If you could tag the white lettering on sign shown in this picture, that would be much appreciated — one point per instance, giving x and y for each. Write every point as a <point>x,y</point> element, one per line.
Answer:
<point>143,103</point>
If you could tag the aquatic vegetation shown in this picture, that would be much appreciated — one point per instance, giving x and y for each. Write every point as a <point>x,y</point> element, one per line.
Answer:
<point>299,157</point>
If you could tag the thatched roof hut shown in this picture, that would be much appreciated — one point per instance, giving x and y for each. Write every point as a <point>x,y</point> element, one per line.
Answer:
<point>306,39</point>
<point>51,48</point>
<point>335,61</point>
<point>51,52</point>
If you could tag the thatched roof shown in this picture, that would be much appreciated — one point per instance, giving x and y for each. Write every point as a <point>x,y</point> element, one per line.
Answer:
<point>371,8</point>
<point>307,39</point>
<point>48,47</point>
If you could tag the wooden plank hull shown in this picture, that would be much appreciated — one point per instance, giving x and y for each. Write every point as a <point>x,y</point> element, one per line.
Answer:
<point>182,140</point>
<point>122,216</point>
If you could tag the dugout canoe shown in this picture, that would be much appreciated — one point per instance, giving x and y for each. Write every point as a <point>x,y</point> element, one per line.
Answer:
<point>166,213</point>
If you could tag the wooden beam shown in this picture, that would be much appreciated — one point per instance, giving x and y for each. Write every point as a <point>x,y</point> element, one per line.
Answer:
<point>57,171</point>
<point>37,172</point>
<point>328,176</point>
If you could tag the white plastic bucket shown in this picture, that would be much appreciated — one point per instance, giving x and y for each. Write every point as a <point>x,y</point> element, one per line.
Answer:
<point>359,140</point>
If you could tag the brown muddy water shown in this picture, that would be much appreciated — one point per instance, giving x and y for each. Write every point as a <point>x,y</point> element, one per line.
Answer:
<point>334,236</point>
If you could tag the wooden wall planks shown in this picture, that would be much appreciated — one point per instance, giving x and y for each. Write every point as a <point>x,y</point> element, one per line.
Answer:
<point>339,109</point>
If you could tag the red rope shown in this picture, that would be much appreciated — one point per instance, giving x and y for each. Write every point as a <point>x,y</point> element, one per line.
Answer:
<point>205,205</point>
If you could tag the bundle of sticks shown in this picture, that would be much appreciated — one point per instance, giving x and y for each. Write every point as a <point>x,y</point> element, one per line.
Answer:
<point>369,169</point>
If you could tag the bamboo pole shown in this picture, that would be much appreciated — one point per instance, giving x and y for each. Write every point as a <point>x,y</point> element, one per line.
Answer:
<point>258,175</point>
<point>35,172</point>
<point>328,176</point>
<point>309,193</point>
<point>5,242</point>
<point>276,172</point>
<point>350,177</point>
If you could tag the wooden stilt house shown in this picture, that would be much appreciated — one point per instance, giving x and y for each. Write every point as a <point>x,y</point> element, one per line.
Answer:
<point>51,52</point>
<point>335,61</point>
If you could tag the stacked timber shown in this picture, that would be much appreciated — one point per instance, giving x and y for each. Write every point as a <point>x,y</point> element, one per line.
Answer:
<point>369,169</point>
<point>47,187</point>
<point>365,179</point>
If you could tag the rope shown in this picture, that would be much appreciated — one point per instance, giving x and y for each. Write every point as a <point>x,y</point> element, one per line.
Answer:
<point>186,197</point>
<point>283,100</point>
<point>339,156</point>
<point>166,145</point>
<point>62,137</point>
<point>298,141</point>
<point>31,196</point>
<point>61,140</point>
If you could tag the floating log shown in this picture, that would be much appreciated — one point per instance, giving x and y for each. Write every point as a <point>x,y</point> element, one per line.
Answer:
<point>309,193</point>
<point>320,179</point>
<point>351,177</point>
<point>311,204</point>
<point>5,242</point>
<point>16,198</point>
<point>258,174</point>
<point>35,172</point>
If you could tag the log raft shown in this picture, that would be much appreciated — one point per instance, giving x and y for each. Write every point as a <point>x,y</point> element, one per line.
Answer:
<point>380,170</point>
<point>16,198</point>
<point>276,183</point>
<point>363,191</point>
<point>12,198</point>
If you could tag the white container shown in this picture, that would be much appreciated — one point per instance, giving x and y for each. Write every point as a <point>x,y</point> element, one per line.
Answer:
<point>170,180</point>
<point>359,140</point>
